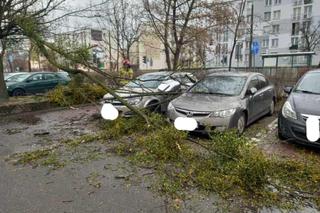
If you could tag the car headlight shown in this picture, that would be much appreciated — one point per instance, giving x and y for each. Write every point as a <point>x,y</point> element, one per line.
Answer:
<point>134,101</point>
<point>288,112</point>
<point>223,113</point>
<point>170,106</point>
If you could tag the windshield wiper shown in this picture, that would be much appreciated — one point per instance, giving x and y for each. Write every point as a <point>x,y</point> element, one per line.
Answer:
<point>307,92</point>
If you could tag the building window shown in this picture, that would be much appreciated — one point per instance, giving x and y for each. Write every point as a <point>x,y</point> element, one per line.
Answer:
<point>265,43</point>
<point>295,28</point>
<point>307,11</point>
<point>268,2</point>
<point>225,48</point>
<point>275,29</point>
<point>296,13</point>
<point>248,18</point>
<point>306,26</point>
<point>238,55</point>
<point>225,35</point>
<point>241,32</point>
<point>275,42</point>
<point>276,15</point>
<point>246,58</point>
<point>277,1</point>
<point>247,44</point>
<point>307,1</point>
<point>294,42</point>
<point>267,16</point>
<point>266,29</point>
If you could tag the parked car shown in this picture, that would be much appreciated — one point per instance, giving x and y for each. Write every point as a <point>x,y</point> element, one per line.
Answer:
<point>226,100</point>
<point>12,76</point>
<point>303,101</point>
<point>31,83</point>
<point>64,74</point>
<point>151,83</point>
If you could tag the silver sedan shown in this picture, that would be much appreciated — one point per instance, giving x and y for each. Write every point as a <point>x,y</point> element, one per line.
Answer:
<point>226,100</point>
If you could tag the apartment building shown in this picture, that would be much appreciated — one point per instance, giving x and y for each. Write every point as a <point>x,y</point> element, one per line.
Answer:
<point>278,29</point>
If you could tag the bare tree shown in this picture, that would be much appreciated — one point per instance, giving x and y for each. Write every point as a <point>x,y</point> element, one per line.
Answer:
<point>239,19</point>
<point>123,20</point>
<point>310,39</point>
<point>10,11</point>
<point>176,22</point>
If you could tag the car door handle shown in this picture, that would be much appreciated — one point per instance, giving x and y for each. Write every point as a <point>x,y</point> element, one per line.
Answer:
<point>261,95</point>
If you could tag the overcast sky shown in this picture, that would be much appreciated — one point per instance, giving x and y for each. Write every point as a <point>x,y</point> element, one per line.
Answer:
<point>73,22</point>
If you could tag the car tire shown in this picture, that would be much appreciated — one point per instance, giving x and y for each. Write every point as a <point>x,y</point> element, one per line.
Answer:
<point>154,107</point>
<point>271,108</point>
<point>241,123</point>
<point>18,92</point>
<point>281,136</point>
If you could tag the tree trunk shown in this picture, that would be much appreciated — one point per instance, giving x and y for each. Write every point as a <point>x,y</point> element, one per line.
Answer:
<point>176,56</point>
<point>233,46</point>
<point>29,61</point>
<point>168,60</point>
<point>3,89</point>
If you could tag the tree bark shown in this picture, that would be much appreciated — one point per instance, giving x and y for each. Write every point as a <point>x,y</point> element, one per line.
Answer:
<point>3,89</point>
<point>29,60</point>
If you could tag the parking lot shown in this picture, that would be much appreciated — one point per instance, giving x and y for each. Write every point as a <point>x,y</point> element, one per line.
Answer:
<point>94,179</point>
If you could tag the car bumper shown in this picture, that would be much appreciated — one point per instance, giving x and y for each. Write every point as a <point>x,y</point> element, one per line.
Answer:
<point>123,110</point>
<point>215,123</point>
<point>295,129</point>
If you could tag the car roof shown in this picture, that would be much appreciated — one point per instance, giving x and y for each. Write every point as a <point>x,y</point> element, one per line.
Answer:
<point>314,71</point>
<point>166,73</point>
<point>232,73</point>
<point>41,72</point>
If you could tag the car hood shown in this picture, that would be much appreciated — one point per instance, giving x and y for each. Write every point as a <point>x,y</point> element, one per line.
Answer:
<point>10,83</point>
<point>206,102</point>
<point>127,92</point>
<point>306,103</point>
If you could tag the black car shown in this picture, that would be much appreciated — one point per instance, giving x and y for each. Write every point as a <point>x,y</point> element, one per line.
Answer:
<point>303,102</point>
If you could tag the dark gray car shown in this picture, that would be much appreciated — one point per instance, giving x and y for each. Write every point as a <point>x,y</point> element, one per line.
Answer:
<point>226,100</point>
<point>303,102</point>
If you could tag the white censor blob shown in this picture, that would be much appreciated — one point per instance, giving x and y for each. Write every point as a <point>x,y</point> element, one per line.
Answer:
<point>186,124</point>
<point>109,112</point>
<point>313,130</point>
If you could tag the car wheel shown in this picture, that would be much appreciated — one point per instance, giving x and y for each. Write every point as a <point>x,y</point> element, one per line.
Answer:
<point>271,108</point>
<point>153,107</point>
<point>281,136</point>
<point>241,123</point>
<point>18,92</point>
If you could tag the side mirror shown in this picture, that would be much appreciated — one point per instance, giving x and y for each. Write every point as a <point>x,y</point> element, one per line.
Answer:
<point>168,85</point>
<point>252,91</point>
<point>287,89</point>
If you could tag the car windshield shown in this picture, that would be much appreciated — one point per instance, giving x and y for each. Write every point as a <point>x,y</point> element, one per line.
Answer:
<point>309,84</point>
<point>220,85</point>
<point>18,77</point>
<point>147,81</point>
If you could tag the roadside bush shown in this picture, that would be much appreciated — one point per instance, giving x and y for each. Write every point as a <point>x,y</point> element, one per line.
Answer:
<point>134,125</point>
<point>76,93</point>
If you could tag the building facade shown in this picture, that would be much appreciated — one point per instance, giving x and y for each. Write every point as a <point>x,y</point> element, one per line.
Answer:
<point>279,27</point>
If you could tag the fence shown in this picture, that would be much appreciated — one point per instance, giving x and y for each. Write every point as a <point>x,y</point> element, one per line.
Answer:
<point>279,76</point>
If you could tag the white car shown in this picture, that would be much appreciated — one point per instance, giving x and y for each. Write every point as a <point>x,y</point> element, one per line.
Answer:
<point>140,91</point>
